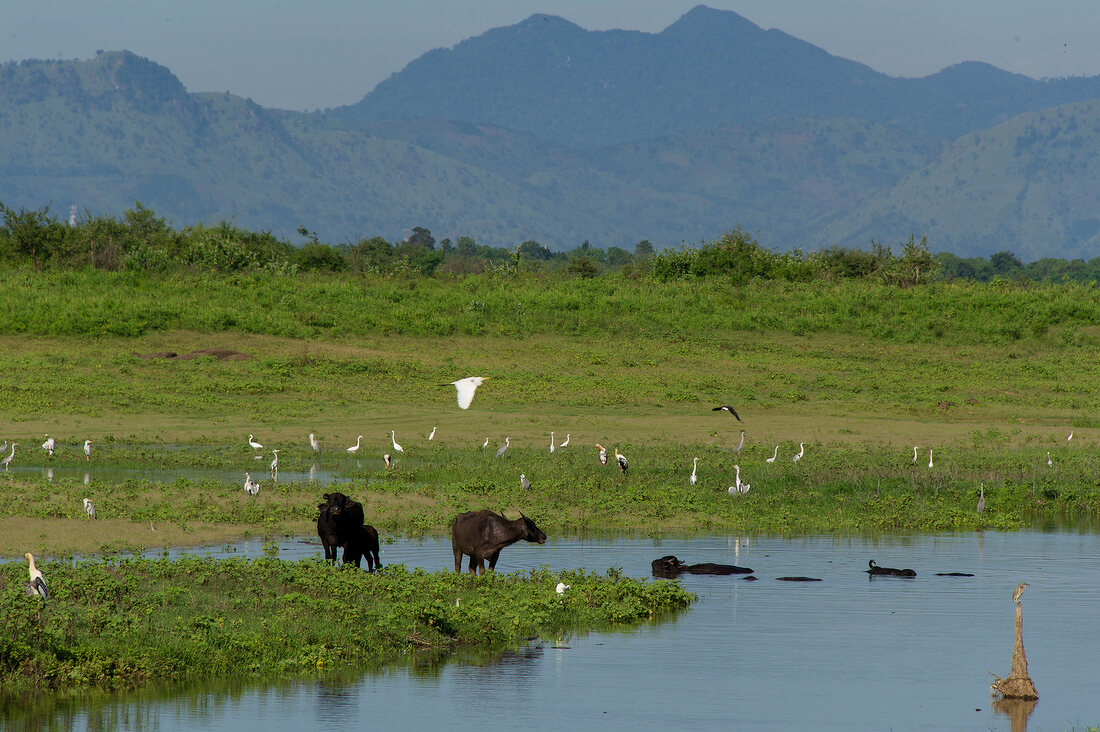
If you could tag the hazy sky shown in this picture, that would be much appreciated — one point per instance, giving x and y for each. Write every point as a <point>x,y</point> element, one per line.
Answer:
<point>294,54</point>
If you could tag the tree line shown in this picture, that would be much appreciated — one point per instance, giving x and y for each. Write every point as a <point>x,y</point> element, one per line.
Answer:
<point>142,241</point>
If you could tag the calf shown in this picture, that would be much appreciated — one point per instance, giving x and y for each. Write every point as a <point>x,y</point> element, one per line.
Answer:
<point>338,522</point>
<point>363,544</point>
<point>482,534</point>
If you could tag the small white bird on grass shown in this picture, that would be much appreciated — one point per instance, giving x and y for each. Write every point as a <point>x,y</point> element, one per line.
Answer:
<point>466,388</point>
<point>253,444</point>
<point>564,444</point>
<point>49,445</point>
<point>1067,439</point>
<point>393,439</point>
<point>738,488</point>
<point>621,459</point>
<point>89,508</point>
<point>915,454</point>
<point>4,446</point>
<point>801,452</point>
<point>87,449</point>
<point>485,444</point>
<point>275,465</point>
<point>507,442</point>
<point>314,443</point>
<point>930,457</point>
<point>694,464</point>
<point>355,448</point>
<point>774,455</point>
<point>432,435</point>
<point>552,445</point>
<point>9,458</point>
<point>1050,463</point>
<point>524,483</point>
<point>561,588</point>
<point>37,585</point>
<point>251,487</point>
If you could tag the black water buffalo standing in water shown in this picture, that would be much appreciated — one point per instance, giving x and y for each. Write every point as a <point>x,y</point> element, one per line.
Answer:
<point>363,544</point>
<point>339,522</point>
<point>482,534</point>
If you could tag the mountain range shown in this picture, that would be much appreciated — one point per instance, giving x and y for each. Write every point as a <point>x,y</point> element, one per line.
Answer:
<point>546,131</point>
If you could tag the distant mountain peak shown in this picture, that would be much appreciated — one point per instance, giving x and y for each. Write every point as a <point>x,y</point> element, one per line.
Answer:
<point>702,19</point>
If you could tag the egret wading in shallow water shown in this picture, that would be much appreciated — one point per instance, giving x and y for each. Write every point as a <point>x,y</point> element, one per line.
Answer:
<point>929,457</point>
<point>801,452</point>
<point>1015,593</point>
<point>393,439</point>
<point>552,446</point>
<point>386,460</point>
<point>727,408</point>
<point>694,464</point>
<point>507,442</point>
<point>251,487</point>
<point>621,459</point>
<point>9,458</point>
<point>601,453</point>
<point>466,388</point>
<point>89,508</point>
<point>87,449</point>
<point>37,585</point>
<point>253,444</point>
<point>740,444</point>
<point>431,436</point>
<point>524,483</point>
<point>981,499</point>
<point>49,445</point>
<point>564,444</point>
<point>275,466</point>
<point>314,443</point>
<point>355,448</point>
<point>774,455</point>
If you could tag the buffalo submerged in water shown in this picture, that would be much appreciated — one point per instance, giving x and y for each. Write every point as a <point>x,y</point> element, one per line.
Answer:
<point>670,567</point>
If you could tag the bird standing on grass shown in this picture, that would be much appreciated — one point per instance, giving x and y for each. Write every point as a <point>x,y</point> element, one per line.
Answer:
<point>1067,439</point>
<point>740,444</point>
<point>432,435</point>
<point>9,458</point>
<point>393,439</point>
<point>694,464</point>
<point>89,508</point>
<point>253,444</point>
<point>601,453</point>
<point>275,465</point>
<point>49,445</point>
<point>251,487</point>
<point>552,446</point>
<point>87,449</point>
<point>915,454</point>
<point>4,446</point>
<point>387,461</point>
<point>507,442</point>
<point>1050,464</point>
<point>314,443</point>
<point>466,388</point>
<point>929,457</point>
<point>727,408</point>
<point>564,444</point>
<point>524,483</point>
<point>621,459</point>
<point>1015,593</point>
<point>981,499</point>
<point>801,452</point>
<point>774,455</point>
<point>37,585</point>
<point>355,448</point>
<point>485,444</point>
<point>738,488</point>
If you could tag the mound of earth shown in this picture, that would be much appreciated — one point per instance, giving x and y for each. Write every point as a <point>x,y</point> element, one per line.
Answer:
<point>222,354</point>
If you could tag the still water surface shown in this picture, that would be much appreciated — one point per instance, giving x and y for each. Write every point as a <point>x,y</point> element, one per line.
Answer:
<point>842,654</point>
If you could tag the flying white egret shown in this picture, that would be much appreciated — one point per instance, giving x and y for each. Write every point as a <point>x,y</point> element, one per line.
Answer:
<point>564,444</point>
<point>552,445</point>
<point>432,435</point>
<point>37,585</point>
<point>8,459</point>
<point>275,464</point>
<point>49,445</point>
<point>255,445</point>
<point>87,449</point>
<point>801,452</point>
<point>393,439</point>
<point>466,388</point>
<point>1050,464</point>
<point>485,444</point>
<point>740,444</point>
<point>355,448</point>
<point>314,443</point>
<point>386,459</point>
<point>981,499</point>
<point>507,442</point>
<point>89,508</point>
<point>774,455</point>
<point>251,487</point>
<point>694,464</point>
<point>621,459</point>
<point>929,457</point>
<point>915,454</point>
<point>524,483</point>
<point>602,453</point>
<point>561,588</point>
<point>727,408</point>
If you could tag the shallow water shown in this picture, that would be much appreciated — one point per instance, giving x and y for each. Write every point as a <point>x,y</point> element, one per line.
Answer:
<point>846,653</point>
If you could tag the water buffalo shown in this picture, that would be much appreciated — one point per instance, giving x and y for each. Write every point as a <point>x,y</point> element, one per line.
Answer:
<point>877,571</point>
<point>338,522</point>
<point>670,567</point>
<point>363,544</point>
<point>482,534</point>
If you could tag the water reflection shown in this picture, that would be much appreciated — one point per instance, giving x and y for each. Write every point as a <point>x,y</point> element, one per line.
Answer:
<point>1018,711</point>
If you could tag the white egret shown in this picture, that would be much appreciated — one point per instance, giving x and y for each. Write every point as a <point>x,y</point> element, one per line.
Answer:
<point>275,465</point>
<point>386,459</point>
<point>507,442</point>
<point>915,454</point>
<point>552,445</point>
<point>37,585</point>
<point>801,452</point>
<point>314,443</point>
<point>981,499</point>
<point>694,465</point>
<point>49,445</point>
<point>432,435</point>
<point>524,483</point>
<point>8,459</point>
<point>466,388</point>
<point>929,457</point>
<point>602,453</point>
<point>485,444</point>
<point>774,455</point>
<point>1067,439</point>
<point>740,444</point>
<point>89,508</point>
<point>393,439</point>
<point>621,459</point>
<point>564,444</point>
<point>738,488</point>
<point>561,588</point>
<point>251,487</point>
<point>255,445</point>
<point>1050,464</point>
<point>727,408</point>
<point>87,449</point>
<point>4,446</point>
<point>355,448</point>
